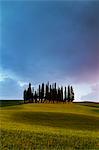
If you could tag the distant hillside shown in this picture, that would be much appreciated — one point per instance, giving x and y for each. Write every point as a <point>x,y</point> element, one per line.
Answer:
<point>10,102</point>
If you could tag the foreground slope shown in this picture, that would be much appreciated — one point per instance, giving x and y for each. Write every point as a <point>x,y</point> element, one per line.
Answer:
<point>50,126</point>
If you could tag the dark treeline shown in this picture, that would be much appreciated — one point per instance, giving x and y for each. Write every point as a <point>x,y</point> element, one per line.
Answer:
<point>48,93</point>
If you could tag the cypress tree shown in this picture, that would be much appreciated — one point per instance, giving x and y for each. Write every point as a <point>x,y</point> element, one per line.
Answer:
<point>61,94</point>
<point>55,93</point>
<point>29,93</point>
<point>50,94</point>
<point>39,93</point>
<point>32,97</point>
<point>47,92</point>
<point>68,93</point>
<point>72,94</point>
<point>58,94</point>
<point>65,94</point>
<point>35,96</point>
<point>25,95</point>
<point>42,92</point>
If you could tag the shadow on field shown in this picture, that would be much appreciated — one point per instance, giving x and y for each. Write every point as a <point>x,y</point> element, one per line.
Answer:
<point>95,110</point>
<point>89,104</point>
<point>60,120</point>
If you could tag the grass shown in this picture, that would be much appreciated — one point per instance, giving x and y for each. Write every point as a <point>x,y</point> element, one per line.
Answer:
<point>49,127</point>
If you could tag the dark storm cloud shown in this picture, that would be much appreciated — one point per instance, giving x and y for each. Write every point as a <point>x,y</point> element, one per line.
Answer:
<point>51,40</point>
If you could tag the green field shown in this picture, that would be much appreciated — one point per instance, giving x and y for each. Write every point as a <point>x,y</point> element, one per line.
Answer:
<point>49,126</point>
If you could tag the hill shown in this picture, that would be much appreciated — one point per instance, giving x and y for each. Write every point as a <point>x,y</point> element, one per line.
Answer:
<point>50,126</point>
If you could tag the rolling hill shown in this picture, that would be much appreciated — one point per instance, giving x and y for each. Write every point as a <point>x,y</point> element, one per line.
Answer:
<point>49,126</point>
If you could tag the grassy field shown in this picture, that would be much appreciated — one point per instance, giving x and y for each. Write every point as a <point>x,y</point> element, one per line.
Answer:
<point>49,126</point>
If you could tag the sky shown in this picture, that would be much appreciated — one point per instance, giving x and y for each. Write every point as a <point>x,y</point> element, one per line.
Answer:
<point>55,41</point>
